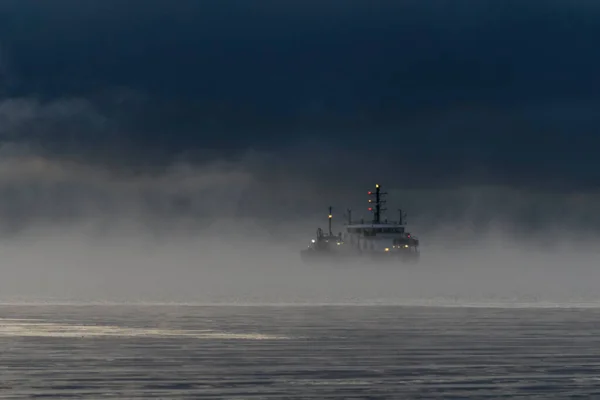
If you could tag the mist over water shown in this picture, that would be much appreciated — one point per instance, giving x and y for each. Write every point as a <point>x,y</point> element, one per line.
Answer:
<point>77,233</point>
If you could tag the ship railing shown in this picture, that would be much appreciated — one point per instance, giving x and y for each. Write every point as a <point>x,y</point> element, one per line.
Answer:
<point>362,222</point>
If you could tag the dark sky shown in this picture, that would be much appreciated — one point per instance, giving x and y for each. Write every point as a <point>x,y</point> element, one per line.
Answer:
<point>435,91</point>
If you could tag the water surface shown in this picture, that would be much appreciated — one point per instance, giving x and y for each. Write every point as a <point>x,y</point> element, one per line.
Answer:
<point>297,352</point>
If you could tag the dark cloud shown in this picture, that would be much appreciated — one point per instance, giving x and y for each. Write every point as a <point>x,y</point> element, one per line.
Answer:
<point>294,105</point>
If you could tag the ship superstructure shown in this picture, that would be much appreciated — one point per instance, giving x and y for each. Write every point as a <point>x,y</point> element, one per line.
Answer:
<point>377,238</point>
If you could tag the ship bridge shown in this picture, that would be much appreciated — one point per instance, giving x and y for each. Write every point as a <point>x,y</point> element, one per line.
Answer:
<point>374,229</point>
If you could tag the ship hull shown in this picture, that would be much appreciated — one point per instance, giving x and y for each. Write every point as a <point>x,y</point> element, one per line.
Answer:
<point>316,257</point>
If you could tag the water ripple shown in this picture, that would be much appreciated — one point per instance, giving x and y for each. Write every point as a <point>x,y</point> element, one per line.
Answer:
<point>98,352</point>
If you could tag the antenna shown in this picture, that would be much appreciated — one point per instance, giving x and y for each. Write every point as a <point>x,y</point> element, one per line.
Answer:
<point>330,216</point>
<point>378,203</point>
<point>349,216</point>
<point>402,217</point>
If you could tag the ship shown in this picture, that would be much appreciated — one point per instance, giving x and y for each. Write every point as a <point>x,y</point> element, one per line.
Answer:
<point>375,240</point>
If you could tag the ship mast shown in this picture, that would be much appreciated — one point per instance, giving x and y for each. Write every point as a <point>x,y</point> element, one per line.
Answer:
<point>330,216</point>
<point>379,202</point>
